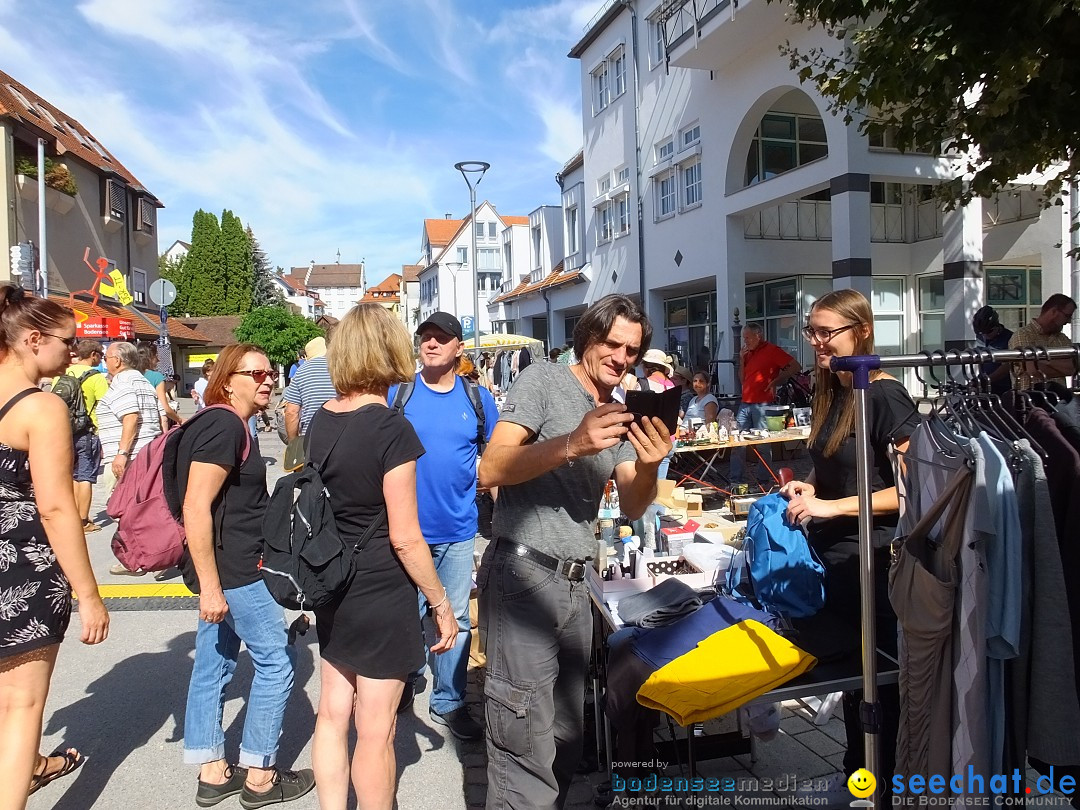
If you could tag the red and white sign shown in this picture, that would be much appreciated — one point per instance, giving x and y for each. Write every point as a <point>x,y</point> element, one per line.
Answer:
<point>110,328</point>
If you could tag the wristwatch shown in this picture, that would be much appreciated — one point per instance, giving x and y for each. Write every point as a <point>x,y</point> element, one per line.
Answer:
<point>126,453</point>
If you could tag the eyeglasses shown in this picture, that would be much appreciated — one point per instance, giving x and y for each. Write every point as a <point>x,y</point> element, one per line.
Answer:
<point>825,335</point>
<point>259,375</point>
<point>67,341</point>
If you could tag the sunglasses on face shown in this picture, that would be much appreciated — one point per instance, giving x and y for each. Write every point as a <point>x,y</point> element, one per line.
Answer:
<point>259,375</point>
<point>67,341</point>
<point>825,335</point>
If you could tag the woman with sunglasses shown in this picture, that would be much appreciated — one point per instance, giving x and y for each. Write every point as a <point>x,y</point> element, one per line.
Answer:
<point>43,553</point>
<point>224,499</point>
<point>841,324</point>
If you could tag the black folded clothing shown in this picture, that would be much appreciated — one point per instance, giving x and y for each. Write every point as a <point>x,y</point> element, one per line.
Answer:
<point>659,606</point>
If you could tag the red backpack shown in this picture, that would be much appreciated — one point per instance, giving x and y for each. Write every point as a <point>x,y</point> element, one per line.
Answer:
<point>147,506</point>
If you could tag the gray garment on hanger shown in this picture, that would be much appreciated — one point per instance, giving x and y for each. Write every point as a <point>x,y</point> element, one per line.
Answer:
<point>922,589</point>
<point>1045,707</point>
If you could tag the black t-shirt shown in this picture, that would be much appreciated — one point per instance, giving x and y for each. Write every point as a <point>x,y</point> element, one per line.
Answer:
<point>892,417</point>
<point>218,438</point>
<point>370,441</point>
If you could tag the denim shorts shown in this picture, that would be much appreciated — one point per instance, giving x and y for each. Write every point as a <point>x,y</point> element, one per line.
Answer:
<point>87,458</point>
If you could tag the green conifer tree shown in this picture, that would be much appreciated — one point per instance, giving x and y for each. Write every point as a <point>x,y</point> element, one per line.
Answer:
<point>264,292</point>
<point>239,267</point>
<point>204,267</point>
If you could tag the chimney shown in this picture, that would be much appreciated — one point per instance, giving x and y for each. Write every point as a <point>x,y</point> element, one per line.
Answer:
<point>449,216</point>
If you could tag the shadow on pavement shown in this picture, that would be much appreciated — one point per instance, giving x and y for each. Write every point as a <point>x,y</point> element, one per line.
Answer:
<point>122,712</point>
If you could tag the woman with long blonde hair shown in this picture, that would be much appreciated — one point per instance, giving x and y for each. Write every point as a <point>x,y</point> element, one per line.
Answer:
<point>841,324</point>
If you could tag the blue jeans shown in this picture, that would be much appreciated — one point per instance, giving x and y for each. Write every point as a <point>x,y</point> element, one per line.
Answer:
<point>649,519</point>
<point>751,416</point>
<point>454,565</point>
<point>257,620</point>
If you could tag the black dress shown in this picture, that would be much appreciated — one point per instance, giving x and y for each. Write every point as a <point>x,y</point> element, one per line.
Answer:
<point>374,629</point>
<point>35,598</point>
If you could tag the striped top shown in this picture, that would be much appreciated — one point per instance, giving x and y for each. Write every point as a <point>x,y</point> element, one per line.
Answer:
<point>309,389</point>
<point>129,392</point>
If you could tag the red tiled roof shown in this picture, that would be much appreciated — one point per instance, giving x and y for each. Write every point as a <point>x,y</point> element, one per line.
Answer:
<point>67,134</point>
<point>441,231</point>
<point>553,279</point>
<point>392,283</point>
<point>218,329</point>
<point>144,324</point>
<point>514,220</point>
<point>327,275</point>
<point>411,272</point>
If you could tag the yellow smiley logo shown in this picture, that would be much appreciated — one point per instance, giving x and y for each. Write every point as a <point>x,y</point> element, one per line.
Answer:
<point>861,783</point>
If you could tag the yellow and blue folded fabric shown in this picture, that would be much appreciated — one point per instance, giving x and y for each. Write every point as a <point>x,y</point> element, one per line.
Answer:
<point>726,669</point>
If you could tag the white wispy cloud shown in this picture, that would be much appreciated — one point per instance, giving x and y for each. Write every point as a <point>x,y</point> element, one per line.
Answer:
<point>335,127</point>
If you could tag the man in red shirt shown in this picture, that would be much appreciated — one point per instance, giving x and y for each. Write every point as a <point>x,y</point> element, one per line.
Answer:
<point>764,366</point>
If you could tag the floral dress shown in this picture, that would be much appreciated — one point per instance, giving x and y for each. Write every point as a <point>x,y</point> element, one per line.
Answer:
<point>35,598</point>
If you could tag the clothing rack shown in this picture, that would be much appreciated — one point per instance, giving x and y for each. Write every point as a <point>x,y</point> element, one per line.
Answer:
<point>860,367</point>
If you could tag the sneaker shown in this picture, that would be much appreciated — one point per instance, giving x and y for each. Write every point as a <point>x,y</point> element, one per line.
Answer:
<point>407,695</point>
<point>284,787</point>
<point>118,570</point>
<point>208,795</point>
<point>460,723</point>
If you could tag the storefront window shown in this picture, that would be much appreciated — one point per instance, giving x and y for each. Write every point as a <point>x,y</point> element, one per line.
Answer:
<point>690,330</point>
<point>1015,292</point>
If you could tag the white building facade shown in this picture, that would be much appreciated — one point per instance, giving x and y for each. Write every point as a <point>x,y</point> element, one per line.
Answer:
<point>717,184</point>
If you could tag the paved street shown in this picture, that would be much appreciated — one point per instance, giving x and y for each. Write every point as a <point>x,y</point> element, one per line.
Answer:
<point>122,704</point>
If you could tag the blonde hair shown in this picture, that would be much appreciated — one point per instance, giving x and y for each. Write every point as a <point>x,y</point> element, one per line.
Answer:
<point>370,352</point>
<point>852,307</point>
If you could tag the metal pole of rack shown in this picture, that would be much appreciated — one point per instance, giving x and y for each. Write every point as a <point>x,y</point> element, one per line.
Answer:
<point>860,367</point>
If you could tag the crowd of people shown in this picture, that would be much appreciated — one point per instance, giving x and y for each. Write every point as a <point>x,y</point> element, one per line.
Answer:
<point>404,439</point>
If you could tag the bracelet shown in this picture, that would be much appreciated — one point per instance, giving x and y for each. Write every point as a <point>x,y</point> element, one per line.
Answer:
<point>444,598</point>
<point>569,462</point>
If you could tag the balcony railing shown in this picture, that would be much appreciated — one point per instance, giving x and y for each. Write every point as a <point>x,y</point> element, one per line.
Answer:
<point>678,17</point>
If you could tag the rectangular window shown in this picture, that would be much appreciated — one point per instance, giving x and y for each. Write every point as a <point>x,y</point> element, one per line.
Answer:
<point>623,176</point>
<point>657,48</point>
<point>463,255</point>
<point>147,216</point>
<point>491,230</point>
<point>536,243</point>
<point>1015,292</point>
<point>480,231</point>
<point>618,73</point>
<point>605,223</point>
<point>664,150</point>
<point>691,184</point>
<point>138,285</point>
<point>603,185</point>
<point>487,259</point>
<point>115,199</point>
<point>665,195</point>
<point>690,136</point>
<point>600,89</point>
<point>622,214</point>
<point>571,231</point>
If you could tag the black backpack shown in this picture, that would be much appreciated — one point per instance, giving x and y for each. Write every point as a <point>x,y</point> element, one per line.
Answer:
<point>305,563</point>
<point>69,388</point>
<point>404,391</point>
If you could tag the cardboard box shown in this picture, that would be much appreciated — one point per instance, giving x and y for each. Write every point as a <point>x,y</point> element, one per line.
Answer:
<point>694,507</point>
<point>695,579</point>
<point>677,536</point>
<point>664,488</point>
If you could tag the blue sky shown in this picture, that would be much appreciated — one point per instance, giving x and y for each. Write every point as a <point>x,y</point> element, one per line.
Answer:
<point>324,126</point>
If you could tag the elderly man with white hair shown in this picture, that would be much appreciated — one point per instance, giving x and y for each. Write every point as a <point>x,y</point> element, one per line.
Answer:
<point>129,417</point>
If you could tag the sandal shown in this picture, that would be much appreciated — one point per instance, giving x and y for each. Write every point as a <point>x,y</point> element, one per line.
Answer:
<point>72,760</point>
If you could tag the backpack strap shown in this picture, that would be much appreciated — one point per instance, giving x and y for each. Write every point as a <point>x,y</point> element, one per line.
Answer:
<point>375,524</point>
<point>473,392</point>
<point>11,403</point>
<point>401,396</point>
<point>86,375</point>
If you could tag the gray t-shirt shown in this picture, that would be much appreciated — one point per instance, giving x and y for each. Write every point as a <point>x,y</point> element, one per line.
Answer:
<point>555,512</point>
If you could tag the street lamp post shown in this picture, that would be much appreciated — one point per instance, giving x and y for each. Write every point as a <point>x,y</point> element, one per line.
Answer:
<point>454,267</point>
<point>469,169</point>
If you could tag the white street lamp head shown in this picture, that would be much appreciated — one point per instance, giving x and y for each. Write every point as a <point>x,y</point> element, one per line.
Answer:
<point>473,172</point>
<point>470,167</point>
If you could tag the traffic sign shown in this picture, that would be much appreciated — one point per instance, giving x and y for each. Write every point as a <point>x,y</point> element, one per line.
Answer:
<point>163,292</point>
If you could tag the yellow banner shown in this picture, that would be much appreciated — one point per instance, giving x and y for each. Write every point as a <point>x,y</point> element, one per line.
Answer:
<point>196,360</point>
<point>116,288</point>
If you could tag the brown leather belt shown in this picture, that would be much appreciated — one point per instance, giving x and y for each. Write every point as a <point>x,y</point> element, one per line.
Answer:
<point>573,570</point>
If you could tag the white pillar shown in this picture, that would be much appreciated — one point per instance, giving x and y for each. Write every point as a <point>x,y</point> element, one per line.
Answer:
<point>851,267</point>
<point>962,260</point>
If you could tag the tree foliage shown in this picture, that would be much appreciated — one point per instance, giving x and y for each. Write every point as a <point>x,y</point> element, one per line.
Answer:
<point>204,268</point>
<point>173,270</point>
<point>264,292</point>
<point>996,83</point>
<point>239,270</point>
<point>280,333</point>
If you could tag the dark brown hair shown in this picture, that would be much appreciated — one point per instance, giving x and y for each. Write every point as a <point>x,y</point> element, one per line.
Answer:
<point>227,362</point>
<point>598,319</point>
<point>21,311</point>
